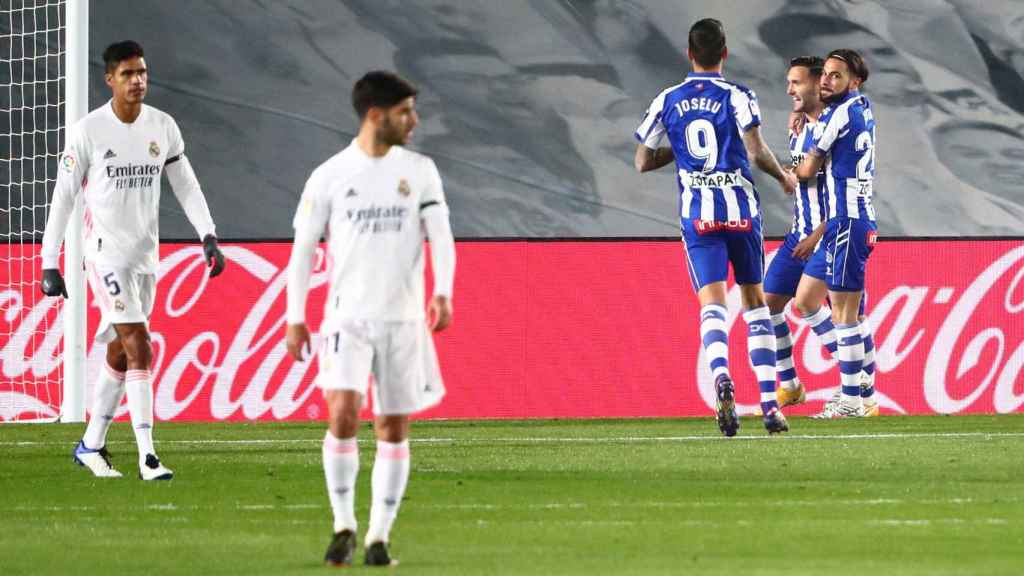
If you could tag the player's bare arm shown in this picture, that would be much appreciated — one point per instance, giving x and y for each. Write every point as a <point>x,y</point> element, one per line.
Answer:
<point>805,247</point>
<point>811,165</point>
<point>758,150</point>
<point>647,159</point>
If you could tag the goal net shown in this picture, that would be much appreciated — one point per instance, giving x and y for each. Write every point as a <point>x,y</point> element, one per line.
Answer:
<point>32,94</point>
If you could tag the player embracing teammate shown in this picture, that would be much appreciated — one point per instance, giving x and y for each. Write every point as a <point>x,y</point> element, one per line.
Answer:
<point>844,148</point>
<point>810,215</point>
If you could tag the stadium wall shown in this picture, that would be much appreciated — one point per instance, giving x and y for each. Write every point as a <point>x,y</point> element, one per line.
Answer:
<point>560,329</point>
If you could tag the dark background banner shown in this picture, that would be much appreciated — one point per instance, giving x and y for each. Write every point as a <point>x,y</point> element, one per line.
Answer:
<point>529,106</point>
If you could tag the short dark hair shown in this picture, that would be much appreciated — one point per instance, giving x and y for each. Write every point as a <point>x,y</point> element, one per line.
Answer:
<point>380,89</point>
<point>853,60</point>
<point>119,52</point>
<point>707,42</point>
<point>814,64</point>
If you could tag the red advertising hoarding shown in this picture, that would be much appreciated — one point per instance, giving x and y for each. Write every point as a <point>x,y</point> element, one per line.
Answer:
<point>566,329</point>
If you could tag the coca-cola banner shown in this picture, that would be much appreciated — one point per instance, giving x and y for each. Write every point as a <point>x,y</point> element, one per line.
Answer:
<point>552,329</point>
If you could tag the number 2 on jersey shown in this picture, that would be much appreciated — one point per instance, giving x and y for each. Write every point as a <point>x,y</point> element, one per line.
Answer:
<point>702,143</point>
<point>865,144</point>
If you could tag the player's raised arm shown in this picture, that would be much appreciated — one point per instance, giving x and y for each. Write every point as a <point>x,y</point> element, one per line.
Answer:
<point>186,188</point>
<point>74,165</point>
<point>434,214</point>
<point>761,154</point>
<point>310,223</point>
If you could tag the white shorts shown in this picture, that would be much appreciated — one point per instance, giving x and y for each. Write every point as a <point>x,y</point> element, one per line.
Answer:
<point>400,355</point>
<point>124,297</point>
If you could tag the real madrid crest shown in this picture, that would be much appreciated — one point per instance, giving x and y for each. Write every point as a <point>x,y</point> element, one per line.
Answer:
<point>154,150</point>
<point>119,305</point>
<point>403,187</point>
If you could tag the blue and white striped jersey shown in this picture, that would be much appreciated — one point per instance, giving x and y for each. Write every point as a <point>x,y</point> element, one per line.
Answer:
<point>704,118</point>
<point>809,203</point>
<point>846,135</point>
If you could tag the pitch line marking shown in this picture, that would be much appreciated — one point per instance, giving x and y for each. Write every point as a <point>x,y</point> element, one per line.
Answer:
<point>566,440</point>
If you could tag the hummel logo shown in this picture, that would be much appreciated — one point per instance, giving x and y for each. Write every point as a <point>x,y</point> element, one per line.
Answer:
<point>110,154</point>
<point>351,192</point>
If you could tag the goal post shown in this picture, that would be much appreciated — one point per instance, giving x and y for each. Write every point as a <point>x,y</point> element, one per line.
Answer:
<point>43,90</point>
<point>76,106</point>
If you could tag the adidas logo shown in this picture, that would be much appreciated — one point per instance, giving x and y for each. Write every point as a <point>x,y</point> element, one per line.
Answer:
<point>110,154</point>
<point>351,192</point>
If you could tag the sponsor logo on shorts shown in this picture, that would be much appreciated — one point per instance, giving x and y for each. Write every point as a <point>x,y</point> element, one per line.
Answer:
<point>872,238</point>
<point>709,226</point>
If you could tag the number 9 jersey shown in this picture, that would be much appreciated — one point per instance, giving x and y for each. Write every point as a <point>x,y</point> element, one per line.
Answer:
<point>705,118</point>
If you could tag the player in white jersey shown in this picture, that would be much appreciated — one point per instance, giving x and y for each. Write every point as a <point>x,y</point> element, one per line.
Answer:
<point>114,158</point>
<point>373,201</point>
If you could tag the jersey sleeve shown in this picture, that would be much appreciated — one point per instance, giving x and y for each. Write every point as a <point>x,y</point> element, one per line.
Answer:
<point>433,192</point>
<point>175,142</point>
<point>835,126</point>
<point>73,166</point>
<point>434,215</point>
<point>310,222</point>
<point>313,211</point>
<point>745,109</point>
<point>651,129</point>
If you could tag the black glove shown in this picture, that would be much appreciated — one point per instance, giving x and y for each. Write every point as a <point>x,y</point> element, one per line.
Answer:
<point>53,283</point>
<point>212,255</point>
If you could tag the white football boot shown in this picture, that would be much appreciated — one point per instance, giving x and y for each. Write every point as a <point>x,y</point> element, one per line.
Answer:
<point>97,461</point>
<point>152,469</point>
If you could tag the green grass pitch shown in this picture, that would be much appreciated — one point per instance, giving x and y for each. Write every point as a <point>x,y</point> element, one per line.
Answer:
<point>891,495</point>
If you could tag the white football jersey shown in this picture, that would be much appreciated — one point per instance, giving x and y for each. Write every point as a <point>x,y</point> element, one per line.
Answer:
<point>369,210</point>
<point>118,167</point>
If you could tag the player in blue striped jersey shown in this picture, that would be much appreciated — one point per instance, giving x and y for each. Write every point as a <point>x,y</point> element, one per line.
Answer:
<point>713,128</point>
<point>844,145</point>
<point>809,216</point>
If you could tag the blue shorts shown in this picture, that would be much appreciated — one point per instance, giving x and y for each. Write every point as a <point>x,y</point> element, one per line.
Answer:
<point>842,255</point>
<point>712,246</point>
<point>784,272</point>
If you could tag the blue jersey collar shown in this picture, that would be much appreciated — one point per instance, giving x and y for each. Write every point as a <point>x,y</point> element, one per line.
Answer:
<point>703,75</point>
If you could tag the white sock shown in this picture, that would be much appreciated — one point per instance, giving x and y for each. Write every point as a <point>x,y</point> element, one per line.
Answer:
<point>390,476</point>
<point>140,406</point>
<point>106,397</point>
<point>341,466</point>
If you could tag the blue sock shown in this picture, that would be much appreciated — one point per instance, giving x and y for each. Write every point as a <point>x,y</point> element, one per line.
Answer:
<point>715,339</point>
<point>821,323</point>
<point>851,358</point>
<point>869,360</point>
<point>784,353</point>
<point>761,347</point>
